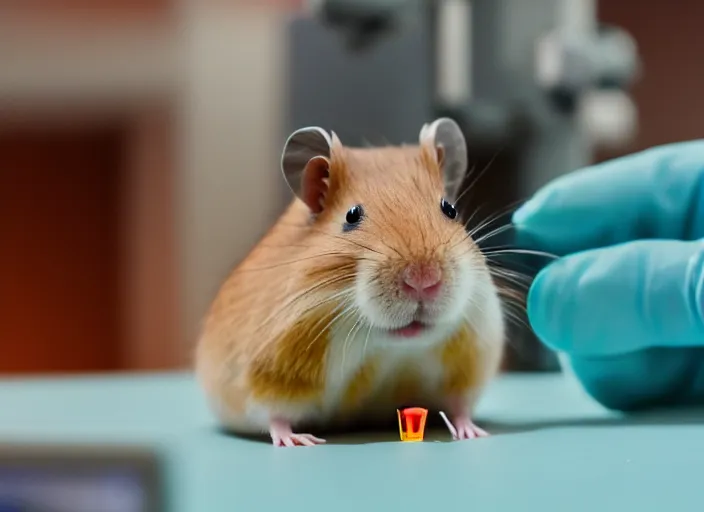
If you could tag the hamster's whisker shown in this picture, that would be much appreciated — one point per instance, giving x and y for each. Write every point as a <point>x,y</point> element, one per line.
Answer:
<point>422,237</point>
<point>493,218</point>
<point>332,315</point>
<point>471,217</point>
<point>470,319</point>
<point>313,307</point>
<point>469,235</point>
<point>494,232</point>
<point>346,343</point>
<point>345,298</point>
<point>513,306</point>
<point>518,293</point>
<point>508,287</point>
<point>393,226</point>
<point>512,279</point>
<point>363,246</point>
<point>512,285</point>
<point>516,268</point>
<point>499,269</point>
<point>331,253</point>
<point>378,295</point>
<point>528,252</point>
<point>496,247</point>
<point>514,318</point>
<point>515,312</point>
<point>366,340</point>
<point>308,291</point>
<point>477,242</point>
<point>457,182</point>
<point>291,262</point>
<point>460,231</point>
<point>476,179</point>
<point>351,308</point>
<point>505,273</point>
<point>322,284</point>
<point>345,294</point>
<point>512,313</point>
<point>507,208</point>
<point>509,314</point>
<point>389,247</point>
<point>478,306</point>
<point>513,297</point>
<point>348,240</point>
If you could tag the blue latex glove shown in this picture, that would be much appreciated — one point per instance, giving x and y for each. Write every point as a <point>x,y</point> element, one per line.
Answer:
<point>625,303</point>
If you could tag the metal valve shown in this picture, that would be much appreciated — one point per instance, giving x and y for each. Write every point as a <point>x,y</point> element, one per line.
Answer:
<point>589,72</point>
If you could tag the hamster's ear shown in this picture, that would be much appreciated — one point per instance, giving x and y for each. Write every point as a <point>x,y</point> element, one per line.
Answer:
<point>305,163</point>
<point>444,138</point>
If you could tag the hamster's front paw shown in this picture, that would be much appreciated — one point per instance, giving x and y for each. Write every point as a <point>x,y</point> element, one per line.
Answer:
<point>282,435</point>
<point>466,429</point>
<point>460,423</point>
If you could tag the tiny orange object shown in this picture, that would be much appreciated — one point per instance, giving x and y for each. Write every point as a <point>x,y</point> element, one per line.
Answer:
<point>411,423</point>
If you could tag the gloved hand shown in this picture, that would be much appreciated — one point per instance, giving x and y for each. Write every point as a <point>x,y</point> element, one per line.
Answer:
<point>625,302</point>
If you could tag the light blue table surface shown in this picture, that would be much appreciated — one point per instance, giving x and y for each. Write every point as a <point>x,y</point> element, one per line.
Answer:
<point>552,449</point>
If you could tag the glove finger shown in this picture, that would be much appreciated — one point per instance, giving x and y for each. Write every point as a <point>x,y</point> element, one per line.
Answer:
<point>658,193</point>
<point>662,376</point>
<point>621,299</point>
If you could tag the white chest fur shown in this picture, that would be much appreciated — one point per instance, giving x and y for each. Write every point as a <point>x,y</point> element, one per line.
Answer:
<point>371,365</point>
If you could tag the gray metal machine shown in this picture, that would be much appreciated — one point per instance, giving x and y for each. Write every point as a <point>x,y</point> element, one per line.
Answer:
<point>535,84</point>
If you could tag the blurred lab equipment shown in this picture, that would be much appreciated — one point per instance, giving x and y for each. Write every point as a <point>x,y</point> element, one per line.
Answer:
<point>537,87</point>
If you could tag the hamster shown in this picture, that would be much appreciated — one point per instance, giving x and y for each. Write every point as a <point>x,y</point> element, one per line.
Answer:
<point>366,295</point>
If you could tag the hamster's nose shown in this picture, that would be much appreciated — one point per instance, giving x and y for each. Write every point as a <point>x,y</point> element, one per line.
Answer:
<point>421,280</point>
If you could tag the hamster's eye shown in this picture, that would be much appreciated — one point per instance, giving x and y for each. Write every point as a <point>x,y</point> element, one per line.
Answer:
<point>449,210</point>
<point>353,218</point>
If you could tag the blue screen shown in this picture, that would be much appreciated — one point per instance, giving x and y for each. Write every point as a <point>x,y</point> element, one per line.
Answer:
<point>28,490</point>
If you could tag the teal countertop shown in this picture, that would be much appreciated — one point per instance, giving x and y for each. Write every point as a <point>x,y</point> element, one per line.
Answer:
<point>552,448</point>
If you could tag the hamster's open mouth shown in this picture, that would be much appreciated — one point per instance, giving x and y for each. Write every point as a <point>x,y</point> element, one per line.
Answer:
<point>415,328</point>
